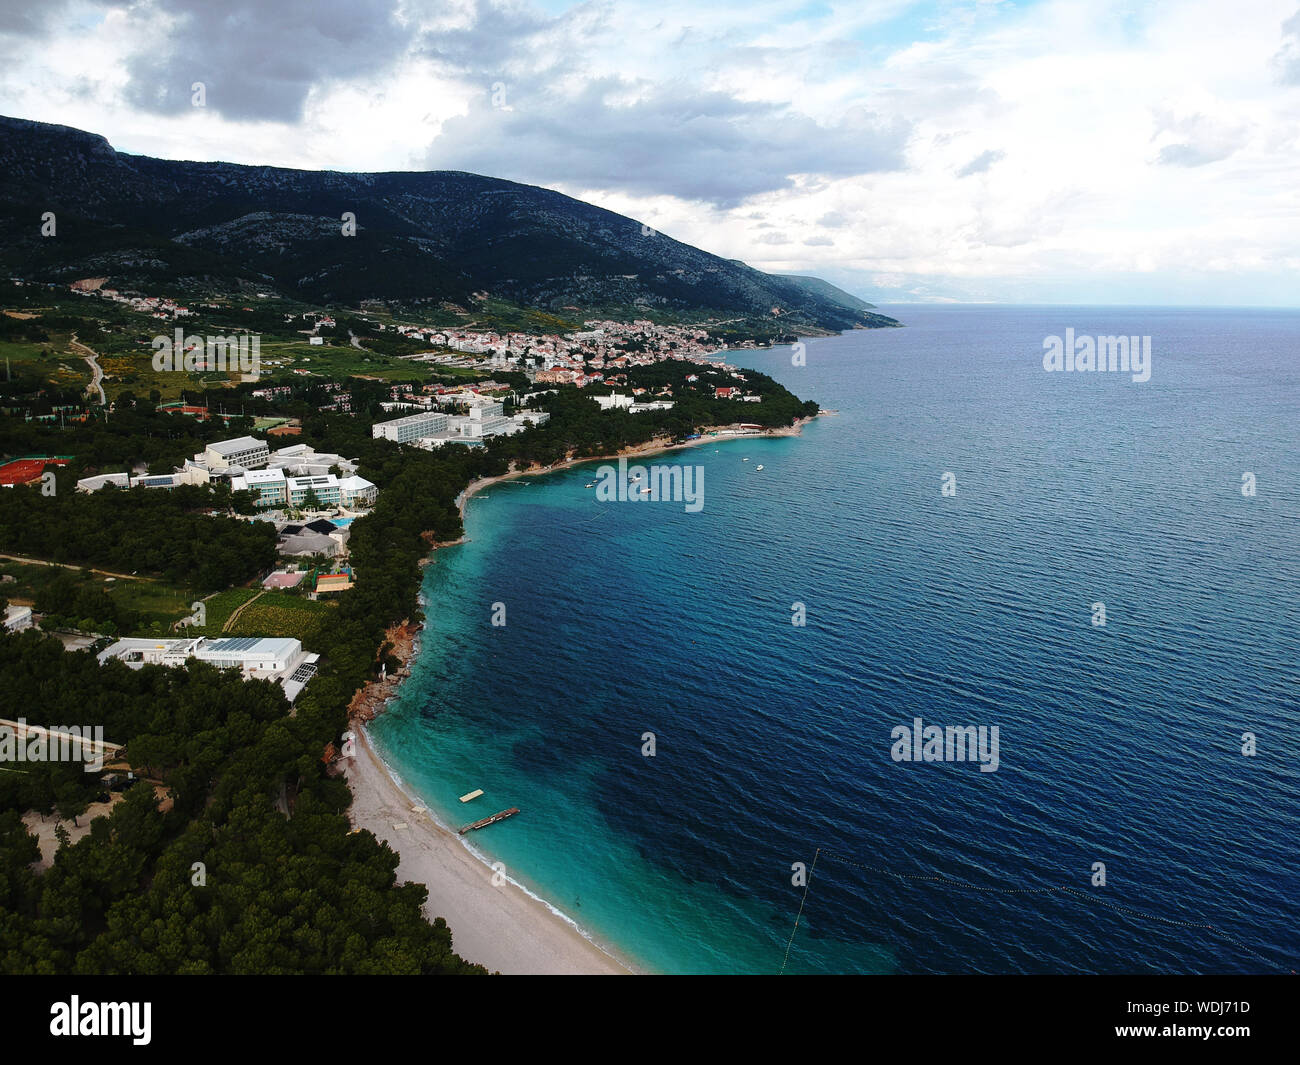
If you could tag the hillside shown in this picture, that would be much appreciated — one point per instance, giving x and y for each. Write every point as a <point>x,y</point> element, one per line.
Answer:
<point>438,236</point>
<point>825,290</point>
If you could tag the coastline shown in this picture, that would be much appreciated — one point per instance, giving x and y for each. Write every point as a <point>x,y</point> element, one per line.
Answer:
<point>652,447</point>
<point>504,928</point>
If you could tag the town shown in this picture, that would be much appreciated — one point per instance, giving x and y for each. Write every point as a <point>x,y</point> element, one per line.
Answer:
<point>481,387</point>
<point>250,534</point>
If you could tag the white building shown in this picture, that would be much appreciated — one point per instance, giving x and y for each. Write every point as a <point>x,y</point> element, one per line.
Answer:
<point>484,420</point>
<point>243,451</point>
<point>190,473</point>
<point>431,442</point>
<point>94,484</point>
<point>17,618</point>
<point>251,654</point>
<point>357,492</point>
<point>410,428</point>
<point>301,460</point>
<point>269,487</point>
<point>284,481</point>
<point>258,658</point>
<point>187,474</point>
<point>275,488</point>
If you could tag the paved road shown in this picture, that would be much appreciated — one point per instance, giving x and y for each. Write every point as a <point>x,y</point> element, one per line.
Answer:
<point>96,374</point>
<point>72,565</point>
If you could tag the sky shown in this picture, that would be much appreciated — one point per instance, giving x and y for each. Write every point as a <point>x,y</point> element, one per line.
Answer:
<point>1062,151</point>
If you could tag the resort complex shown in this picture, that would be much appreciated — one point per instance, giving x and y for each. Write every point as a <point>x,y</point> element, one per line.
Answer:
<point>293,477</point>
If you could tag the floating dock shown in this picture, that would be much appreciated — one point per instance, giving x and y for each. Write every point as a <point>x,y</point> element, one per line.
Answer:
<point>490,820</point>
<point>472,795</point>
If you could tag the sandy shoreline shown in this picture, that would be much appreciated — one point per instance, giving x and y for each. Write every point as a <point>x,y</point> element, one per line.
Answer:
<point>503,928</point>
<point>652,447</point>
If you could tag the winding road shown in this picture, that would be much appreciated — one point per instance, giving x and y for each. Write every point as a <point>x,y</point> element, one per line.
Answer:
<point>96,373</point>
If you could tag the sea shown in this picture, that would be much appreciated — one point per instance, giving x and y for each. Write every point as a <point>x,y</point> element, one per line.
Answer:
<point>702,714</point>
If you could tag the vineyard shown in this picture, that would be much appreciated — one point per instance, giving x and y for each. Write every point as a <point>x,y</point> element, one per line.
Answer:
<point>278,614</point>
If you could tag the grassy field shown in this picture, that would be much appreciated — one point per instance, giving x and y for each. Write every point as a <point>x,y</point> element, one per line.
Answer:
<point>155,601</point>
<point>29,580</point>
<point>132,369</point>
<point>336,361</point>
<point>29,351</point>
<point>60,367</point>
<point>135,373</point>
<point>159,605</point>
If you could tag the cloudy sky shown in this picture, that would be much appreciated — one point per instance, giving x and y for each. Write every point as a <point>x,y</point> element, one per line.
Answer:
<point>1072,151</point>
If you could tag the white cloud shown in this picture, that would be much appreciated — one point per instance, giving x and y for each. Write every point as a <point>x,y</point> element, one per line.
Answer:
<point>981,163</point>
<point>995,151</point>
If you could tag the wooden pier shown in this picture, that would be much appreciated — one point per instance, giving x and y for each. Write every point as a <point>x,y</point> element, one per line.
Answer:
<point>490,820</point>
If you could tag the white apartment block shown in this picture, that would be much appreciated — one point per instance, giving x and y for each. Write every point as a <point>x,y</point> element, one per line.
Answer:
<point>410,428</point>
<point>243,451</point>
<point>274,488</point>
<point>484,420</point>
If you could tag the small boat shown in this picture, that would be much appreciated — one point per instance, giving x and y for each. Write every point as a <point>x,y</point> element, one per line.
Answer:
<point>645,491</point>
<point>744,460</point>
<point>759,466</point>
<point>472,795</point>
<point>591,484</point>
<point>490,820</point>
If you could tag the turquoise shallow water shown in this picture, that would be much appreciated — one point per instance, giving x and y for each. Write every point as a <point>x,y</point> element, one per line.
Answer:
<point>1118,744</point>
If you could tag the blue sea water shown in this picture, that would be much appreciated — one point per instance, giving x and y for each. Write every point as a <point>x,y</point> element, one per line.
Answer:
<point>1119,744</point>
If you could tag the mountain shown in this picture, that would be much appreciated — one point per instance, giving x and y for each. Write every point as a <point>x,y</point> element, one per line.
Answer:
<point>437,235</point>
<point>825,290</point>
